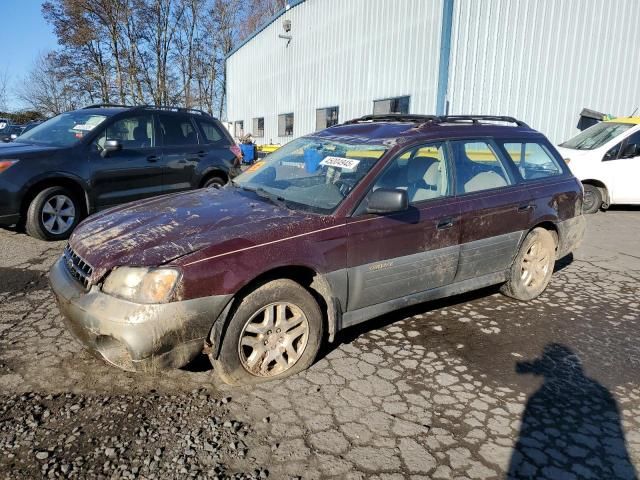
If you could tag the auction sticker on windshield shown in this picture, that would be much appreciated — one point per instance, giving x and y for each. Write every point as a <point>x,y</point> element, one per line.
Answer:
<point>340,162</point>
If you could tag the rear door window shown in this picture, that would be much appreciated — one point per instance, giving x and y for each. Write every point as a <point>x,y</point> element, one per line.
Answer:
<point>478,167</point>
<point>533,160</point>
<point>132,132</point>
<point>177,130</point>
<point>211,132</point>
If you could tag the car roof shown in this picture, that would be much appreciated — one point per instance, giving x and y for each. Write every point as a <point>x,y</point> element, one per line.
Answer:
<point>385,128</point>
<point>632,120</point>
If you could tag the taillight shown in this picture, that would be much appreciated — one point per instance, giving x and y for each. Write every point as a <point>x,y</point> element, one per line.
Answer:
<point>236,150</point>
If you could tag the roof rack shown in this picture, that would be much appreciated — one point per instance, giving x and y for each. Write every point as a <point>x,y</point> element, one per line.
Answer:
<point>155,107</point>
<point>394,117</point>
<point>401,117</point>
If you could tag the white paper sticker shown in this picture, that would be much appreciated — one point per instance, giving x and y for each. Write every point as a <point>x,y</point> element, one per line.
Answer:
<point>2,125</point>
<point>340,162</point>
<point>85,127</point>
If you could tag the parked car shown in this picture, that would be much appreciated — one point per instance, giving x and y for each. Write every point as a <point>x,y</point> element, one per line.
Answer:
<point>10,133</point>
<point>329,231</point>
<point>30,125</point>
<point>87,160</point>
<point>606,159</point>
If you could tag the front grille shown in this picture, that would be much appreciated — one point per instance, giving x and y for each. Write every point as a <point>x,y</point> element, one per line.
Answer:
<point>77,267</point>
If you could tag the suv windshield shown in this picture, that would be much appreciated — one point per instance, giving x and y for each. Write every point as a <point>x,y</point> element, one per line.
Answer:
<point>63,130</point>
<point>596,136</point>
<point>311,173</point>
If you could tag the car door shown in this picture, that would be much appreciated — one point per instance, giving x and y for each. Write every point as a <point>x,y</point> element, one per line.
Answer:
<point>181,151</point>
<point>621,167</point>
<point>131,173</point>
<point>496,210</point>
<point>216,144</point>
<point>395,255</point>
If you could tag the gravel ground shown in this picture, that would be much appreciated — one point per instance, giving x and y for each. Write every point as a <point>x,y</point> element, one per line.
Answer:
<point>477,386</point>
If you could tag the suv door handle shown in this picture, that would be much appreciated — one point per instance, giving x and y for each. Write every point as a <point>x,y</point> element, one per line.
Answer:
<point>445,223</point>
<point>202,154</point>
<point>152,158</point>
<point>525,207</point>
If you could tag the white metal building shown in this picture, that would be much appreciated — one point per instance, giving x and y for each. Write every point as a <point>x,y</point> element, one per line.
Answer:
<point>541,61</point>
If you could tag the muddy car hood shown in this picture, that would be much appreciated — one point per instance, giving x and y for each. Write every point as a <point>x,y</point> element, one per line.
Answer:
<point>157,231</point>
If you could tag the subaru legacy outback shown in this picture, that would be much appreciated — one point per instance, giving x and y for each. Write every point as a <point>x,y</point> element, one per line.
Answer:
<point>87,160</point>
<point>329,231</point>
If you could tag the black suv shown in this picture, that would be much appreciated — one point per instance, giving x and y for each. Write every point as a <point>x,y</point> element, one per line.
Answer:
<point>86,160</point>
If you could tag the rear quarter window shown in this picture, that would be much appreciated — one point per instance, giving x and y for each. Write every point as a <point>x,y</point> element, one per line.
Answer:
<point>211,132</point>
<point>533,160</point>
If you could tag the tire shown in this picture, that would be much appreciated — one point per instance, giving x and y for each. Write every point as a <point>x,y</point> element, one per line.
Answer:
<point>533,266</point>
<point>215,181</point>
<point>243,364</point>
<point>592,200</point>
<point>53,214</point>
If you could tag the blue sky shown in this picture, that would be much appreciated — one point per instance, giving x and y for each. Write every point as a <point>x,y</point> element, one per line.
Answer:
<point>24,34</point>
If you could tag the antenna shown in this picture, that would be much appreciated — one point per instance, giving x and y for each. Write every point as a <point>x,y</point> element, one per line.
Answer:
<point>634,112</point>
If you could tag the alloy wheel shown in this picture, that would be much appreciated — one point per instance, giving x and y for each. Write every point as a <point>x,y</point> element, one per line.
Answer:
<point>58,214</point>
<point>535,265</point>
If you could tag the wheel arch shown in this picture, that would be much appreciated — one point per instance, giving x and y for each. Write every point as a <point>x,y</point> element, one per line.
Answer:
<point>315,283</point>
<point>72,184</point>
<point>604,190</point>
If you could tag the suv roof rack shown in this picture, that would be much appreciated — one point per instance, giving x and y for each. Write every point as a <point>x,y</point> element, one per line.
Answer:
<point>155,107</point>
<point>401,117</point>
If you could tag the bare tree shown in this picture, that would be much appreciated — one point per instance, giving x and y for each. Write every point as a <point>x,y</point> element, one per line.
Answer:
<point>4,89</point>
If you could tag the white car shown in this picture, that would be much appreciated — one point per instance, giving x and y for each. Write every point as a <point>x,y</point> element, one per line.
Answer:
<point>606,159</point>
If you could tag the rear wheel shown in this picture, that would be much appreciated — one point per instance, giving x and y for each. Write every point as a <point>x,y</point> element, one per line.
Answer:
<point>532,267</point>
<point>215,182</point>
<point>53,214</point>
<point>592,200</point>
<point>275,332</point>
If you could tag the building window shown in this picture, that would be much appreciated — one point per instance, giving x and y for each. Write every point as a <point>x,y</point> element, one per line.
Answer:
<point>238,129</point>
<point>258,127</point>
<point>326,117</point>
<point>391,105</point>
<point>285,125</point>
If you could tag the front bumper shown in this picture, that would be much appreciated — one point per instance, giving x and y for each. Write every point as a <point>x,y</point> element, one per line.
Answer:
<point>9,203</point>
<point>132,336</point>
<point>570,234</point>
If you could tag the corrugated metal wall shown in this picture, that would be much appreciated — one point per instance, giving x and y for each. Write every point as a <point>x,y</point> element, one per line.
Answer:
<point>538,60</point>
<point>345,53</point>
<point>544,60</point>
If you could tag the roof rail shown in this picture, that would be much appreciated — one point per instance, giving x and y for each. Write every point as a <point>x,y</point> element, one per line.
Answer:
<point>401,117</point>
<point>394,117</point>
<point>106,105</point>
<point>477,118</point>
<point>155,107</point>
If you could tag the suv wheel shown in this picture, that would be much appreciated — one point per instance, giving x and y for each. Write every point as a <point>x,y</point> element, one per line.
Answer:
<point>532,267</point>
<point>53,214</point>
<point>275,332</point>
<point>592,200</point>
<point>215,182</point>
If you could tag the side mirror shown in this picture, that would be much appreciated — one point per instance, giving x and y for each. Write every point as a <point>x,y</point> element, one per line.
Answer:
<point>631,150</point>
<point>111,146</point>
<point>387,200</point>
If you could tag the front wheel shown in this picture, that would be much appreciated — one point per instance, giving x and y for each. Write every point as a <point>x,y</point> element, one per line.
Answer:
<point>215,182</point>
<point>532,267</point>
<point>275,332</point>
<point>53,214</point>
<point>592,200</point>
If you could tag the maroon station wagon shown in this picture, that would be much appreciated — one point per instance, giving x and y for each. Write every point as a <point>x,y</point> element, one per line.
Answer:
<point>333,229</point>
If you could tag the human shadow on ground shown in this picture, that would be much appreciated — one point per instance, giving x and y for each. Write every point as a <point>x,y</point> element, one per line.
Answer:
<point>571,426</point>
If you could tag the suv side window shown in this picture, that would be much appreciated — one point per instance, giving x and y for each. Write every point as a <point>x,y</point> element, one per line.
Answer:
<point>478,167</point>
<point>211,131</point>
<point>533,160</point>
<point>422,171</point>
<point>132,132</point>
<point>177,130</point>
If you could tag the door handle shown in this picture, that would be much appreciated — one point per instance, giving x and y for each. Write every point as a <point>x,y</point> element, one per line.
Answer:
<point>152,158</point>
<point>202,154</point>
<point>445,223</point>
<point>525,207</point>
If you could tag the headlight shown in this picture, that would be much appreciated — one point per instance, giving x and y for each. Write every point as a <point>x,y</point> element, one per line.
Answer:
<point>4,164</point>
<point>142,285</point>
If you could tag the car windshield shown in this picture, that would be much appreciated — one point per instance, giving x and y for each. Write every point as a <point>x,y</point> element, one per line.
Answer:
<point>311,173</point>
<point>596,136</point>
<point>63,130</point>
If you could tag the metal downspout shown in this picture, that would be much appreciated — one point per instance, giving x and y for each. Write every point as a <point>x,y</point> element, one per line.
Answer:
<point>445,54</point>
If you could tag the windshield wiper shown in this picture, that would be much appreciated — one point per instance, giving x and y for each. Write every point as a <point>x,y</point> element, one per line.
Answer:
<point>275,199</point>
